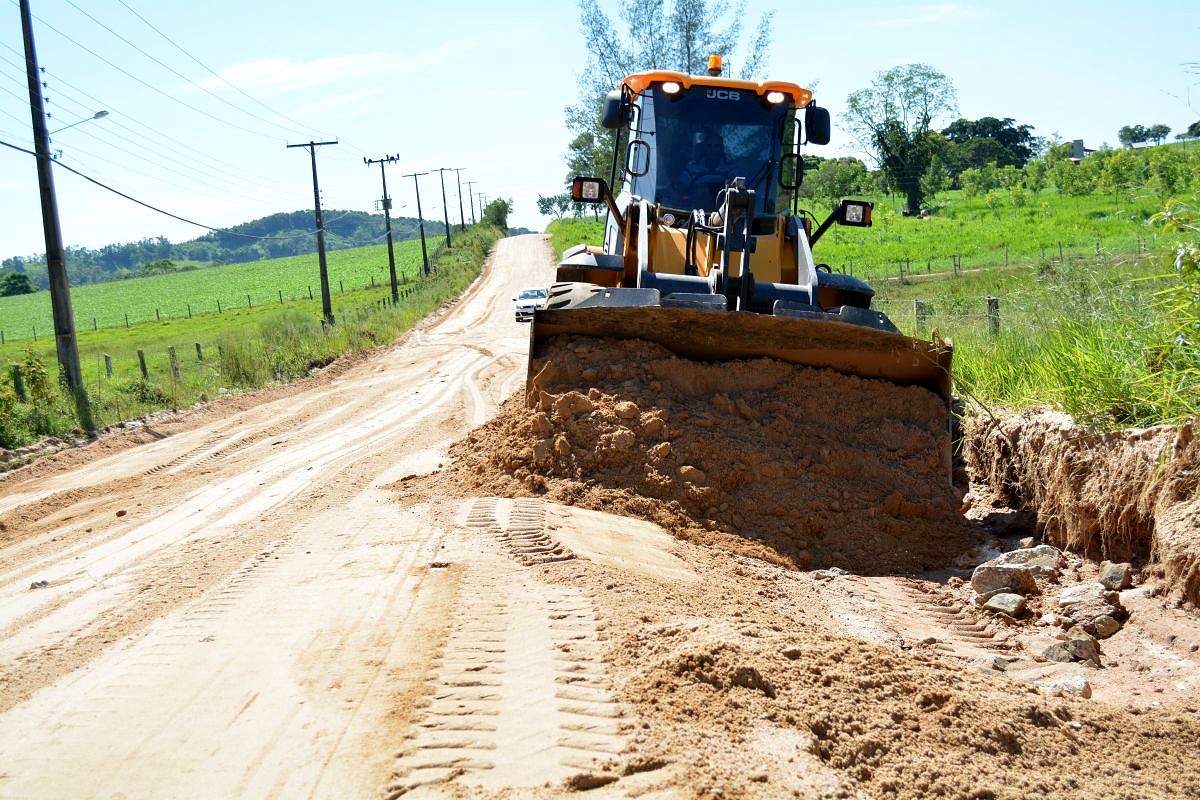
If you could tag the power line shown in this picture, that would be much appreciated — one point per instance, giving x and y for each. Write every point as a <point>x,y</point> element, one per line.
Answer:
<point>209,69</point>
<point>169,68</point>
<point>156,209</point>
<point>154,89</point>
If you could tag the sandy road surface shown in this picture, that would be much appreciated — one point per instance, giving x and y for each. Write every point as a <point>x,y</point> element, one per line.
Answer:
<point>292,599</point>
<point>228,608</point>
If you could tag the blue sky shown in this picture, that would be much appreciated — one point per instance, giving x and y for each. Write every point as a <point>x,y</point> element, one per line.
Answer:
<point>203,98</point>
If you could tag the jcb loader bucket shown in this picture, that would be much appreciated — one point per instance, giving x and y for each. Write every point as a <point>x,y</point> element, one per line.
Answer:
<point>722,336</point>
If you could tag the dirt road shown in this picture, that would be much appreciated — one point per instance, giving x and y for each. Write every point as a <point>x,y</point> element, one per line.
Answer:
<point>259,599</point>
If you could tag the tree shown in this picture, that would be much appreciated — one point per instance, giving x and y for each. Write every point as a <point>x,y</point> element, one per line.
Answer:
<point>15,283</point>
<point>496,213</point>
<point>1192,132</point>
<point>1132,134</point>
<point>1156,133</point>
<point>651,34</point>
<point>974,143</point>
<point>893,118</point>
<point>554,205</point>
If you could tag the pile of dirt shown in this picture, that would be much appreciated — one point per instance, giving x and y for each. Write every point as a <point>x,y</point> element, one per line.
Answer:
<point>798,466</point>
<point>1124,495</point>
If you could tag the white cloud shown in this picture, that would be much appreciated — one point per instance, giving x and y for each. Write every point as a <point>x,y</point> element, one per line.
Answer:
<point>928,15</point>
<point>268,77</point>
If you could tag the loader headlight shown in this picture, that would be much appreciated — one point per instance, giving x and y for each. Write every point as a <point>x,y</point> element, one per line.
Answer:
<point>671,87</point>
<point>775,98</point>
<point>587,190</point>
<point>855,212</point>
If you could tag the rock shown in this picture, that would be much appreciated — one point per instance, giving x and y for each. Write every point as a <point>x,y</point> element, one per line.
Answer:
<point>1026,541</point>
<point>1006,603</point>
<point>39,584</point>
<point>1084,603</point>
<point>1115,577</point>
<point>1084,650</point>
<point>1058,652</point>
<point>989,579</point>
<point>1105,626</point>
<point>571,404</point>
<point>1000,664</point>
<point>1041,560</point>
<point>540,424</point>
<point>1073,686</point>
<point>690,473</point>
<point>627,410</point>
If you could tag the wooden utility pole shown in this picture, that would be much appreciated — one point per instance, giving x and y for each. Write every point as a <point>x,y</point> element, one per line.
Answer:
<point>441,171</point>
<point>326,302</point>
<point>56,260</point>
<point>471,200</point>
<point>420,219</point>
<point>462,219</point>
<point>387,219</point>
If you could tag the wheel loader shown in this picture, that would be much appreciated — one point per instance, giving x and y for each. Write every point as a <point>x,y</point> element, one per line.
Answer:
<point>706,251</point>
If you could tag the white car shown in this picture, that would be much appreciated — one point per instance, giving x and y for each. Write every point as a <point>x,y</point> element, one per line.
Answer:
<point>528,301</point>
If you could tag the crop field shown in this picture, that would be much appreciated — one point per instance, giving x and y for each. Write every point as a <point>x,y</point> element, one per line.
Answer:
<point>187,294</point>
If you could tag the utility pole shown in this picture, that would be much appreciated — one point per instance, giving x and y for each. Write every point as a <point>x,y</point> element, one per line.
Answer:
<point>326,303</point>
<point>387,219</point>
<point>420,219</point>
<point>56,259</point>
<point>441,171</point>
<point>471,200</point>
<point>462,220</point>
<point>482,204</point>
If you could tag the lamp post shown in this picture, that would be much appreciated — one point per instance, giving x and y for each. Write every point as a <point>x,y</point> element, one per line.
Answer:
<point>97,115</point>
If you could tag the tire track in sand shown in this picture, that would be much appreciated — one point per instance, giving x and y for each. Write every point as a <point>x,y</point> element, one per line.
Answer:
<point>519,695</point>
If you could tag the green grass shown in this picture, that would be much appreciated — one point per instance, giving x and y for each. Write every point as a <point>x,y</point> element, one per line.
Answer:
<point>242,348</point>
<point>259,283</point>
<point>566,233</point>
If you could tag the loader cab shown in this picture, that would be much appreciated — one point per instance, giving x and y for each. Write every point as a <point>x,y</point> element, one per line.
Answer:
<point>686,141</point>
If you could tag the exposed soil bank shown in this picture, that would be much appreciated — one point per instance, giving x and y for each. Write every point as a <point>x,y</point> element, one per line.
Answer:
<point>1125,495</point>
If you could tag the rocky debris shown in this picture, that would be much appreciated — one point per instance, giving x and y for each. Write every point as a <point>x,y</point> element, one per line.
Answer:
<point>1073,686</point>
<point>39,584</point>
<point>1105,626</point>
<point>1085,604</point>
<point>1042,560</point>
<point>1006,603</point>
<point>991,578</point>
<point>1115,577</point>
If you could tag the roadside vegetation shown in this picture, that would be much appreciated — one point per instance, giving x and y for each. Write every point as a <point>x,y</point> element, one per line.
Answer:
<point>247,349</point>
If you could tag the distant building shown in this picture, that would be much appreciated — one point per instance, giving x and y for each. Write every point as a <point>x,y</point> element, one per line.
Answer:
<point>1079,152</point>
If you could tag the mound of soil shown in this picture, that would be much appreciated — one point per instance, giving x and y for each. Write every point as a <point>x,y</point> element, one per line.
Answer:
<point>1124,495</point>
<point>799,466</point>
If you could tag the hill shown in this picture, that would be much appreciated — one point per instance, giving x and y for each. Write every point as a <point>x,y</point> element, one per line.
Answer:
<point>274,236</point>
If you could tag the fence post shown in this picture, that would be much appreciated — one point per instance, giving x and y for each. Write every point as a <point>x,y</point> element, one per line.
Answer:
<point>1,337</point>
<point>281,297</point>
<point>199,352</point>
<point>126,319</point>
<point>174,362</point>
<point>1060,254</point>
<point>218,305</point>
<point>34,331</point>
<point>18,383</point>
<point>94,324</point>
<point>189,305</point>
<point>310,297</point>
<point>107,365</point>
<point>993,315</point>
<point>341,286</point>
<point>921,312</point>
<point>1006,254</point>
<point>142,364</point>
<point>248,303</point>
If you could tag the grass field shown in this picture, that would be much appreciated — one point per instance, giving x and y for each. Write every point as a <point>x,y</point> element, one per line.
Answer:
<point>176,296</point>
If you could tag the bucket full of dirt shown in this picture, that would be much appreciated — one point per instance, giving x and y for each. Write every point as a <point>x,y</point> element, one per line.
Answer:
<point>800,466</point>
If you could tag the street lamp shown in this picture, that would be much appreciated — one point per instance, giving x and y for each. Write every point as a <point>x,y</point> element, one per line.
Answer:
<point>97,115</point>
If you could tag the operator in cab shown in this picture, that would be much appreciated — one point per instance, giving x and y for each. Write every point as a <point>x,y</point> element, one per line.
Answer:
<point>707,173</point>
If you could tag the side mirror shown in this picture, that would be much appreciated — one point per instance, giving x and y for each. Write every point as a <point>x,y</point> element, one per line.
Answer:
<point>816,124</point>
<point>613,114</point>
